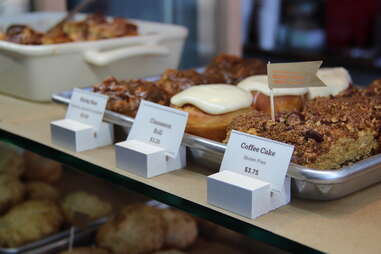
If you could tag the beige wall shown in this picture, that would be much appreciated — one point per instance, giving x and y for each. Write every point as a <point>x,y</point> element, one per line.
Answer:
<point>219,24</point>
<point>229,22</point>
<point>219,27</point>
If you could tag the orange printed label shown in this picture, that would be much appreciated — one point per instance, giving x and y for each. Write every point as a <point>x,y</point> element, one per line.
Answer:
<point>294,75</point>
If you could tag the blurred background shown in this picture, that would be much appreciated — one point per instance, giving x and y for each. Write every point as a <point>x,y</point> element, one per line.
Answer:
<point>340,32</point>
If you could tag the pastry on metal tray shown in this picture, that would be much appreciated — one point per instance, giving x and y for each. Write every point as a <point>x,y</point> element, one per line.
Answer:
<point>230,69</point>
<point>175,81</point>
<point>85,204</point>
<point>136,229</point>
<point>28,222</point>
<point>211,108</point>
<point>182,229</point>
<point>125,96</point>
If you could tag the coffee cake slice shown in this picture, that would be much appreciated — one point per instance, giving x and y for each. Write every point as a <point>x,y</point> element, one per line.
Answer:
<point>317,145</point>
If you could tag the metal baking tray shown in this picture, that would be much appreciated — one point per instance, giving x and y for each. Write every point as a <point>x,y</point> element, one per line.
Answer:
<point>61,236</point>
<point>306,183</point>
<point>83,238</point>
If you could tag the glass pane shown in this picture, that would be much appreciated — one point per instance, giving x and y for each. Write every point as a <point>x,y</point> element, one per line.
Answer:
<point>87,202</point>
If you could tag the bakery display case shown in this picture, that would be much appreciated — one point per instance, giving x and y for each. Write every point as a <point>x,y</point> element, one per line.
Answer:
<point>302,226</point>
<point>300,121</point>
<point>54,199</point>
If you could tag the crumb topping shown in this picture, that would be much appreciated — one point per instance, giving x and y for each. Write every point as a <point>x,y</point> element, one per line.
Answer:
<point>322,124</point>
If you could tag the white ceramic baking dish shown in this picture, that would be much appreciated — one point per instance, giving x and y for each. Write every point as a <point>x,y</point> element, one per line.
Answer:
<point>36,72</point>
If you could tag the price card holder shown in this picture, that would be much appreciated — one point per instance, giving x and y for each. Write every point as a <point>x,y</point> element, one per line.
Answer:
<point>83,129</point>
<point>252,180</point>
<point>153,146</point>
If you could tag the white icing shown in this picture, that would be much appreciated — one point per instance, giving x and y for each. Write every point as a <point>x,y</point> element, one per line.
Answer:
<point>214,99</point>
<point>260,83</point>
<point>337,79</point>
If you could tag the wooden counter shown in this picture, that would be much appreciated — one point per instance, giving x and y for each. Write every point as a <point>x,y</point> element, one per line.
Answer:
<point>349,225</point>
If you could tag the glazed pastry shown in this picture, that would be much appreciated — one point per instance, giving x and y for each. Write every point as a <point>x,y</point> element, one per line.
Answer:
<point>28,222</point>
<point>41,191</point>
<point>84,203</point>
<point>229,69</point>
<point>285,99</point>
<point>118,27</point>
<point>22,34</point>
<point>75,30</point>
<point>94,27</point>
<point>136,229</point>
<point>224,69</point>
<point>12,192</point>
<point>211,108</point>
<point>336,79</point>
<point>41,169</point>
<point>125,96</point>
<point>55,36</point>
<point>181,229</point>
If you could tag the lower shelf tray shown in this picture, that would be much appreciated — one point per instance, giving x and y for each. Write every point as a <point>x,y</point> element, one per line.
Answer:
<point>36,246</point>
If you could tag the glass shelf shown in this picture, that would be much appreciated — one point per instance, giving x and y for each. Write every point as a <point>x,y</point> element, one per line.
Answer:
<point>302,226</point>
<point>157,194</point>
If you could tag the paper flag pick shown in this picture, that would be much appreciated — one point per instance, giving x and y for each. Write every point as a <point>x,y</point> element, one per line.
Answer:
<point>294,75</point>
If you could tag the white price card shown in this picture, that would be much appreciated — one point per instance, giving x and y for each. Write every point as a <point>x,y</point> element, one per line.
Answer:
<point>257,157</point>
<point>87,107</point>
<point>159,125</point>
